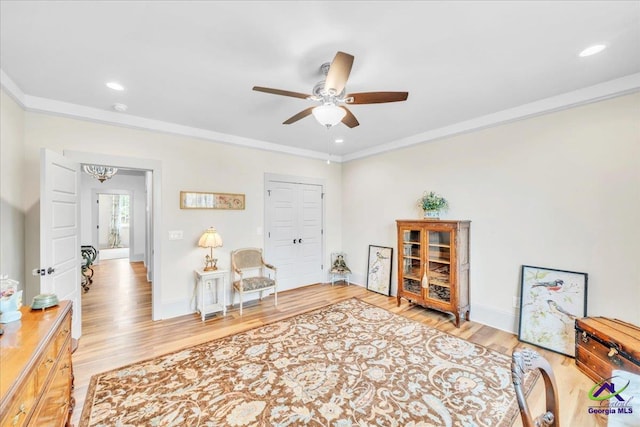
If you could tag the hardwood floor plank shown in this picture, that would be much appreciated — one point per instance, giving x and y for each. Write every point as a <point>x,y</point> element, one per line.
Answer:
<point>118,330</point>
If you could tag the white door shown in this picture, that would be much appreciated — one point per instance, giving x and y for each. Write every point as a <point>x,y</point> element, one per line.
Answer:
<point>59,231</point>
<point>294,232</point>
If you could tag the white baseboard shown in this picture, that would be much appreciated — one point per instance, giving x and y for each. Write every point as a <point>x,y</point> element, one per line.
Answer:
<point>175,309</point>
<point>499,319</point>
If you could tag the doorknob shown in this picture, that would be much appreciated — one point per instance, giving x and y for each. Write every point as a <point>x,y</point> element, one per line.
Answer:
<point>50,270</point>
<point>294,241</point>
<point>299,240</point>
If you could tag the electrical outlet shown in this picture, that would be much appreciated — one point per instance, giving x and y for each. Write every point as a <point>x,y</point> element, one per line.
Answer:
<point>516,302</point>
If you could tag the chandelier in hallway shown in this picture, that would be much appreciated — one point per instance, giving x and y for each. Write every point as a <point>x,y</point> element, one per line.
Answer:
<point>101,173</point>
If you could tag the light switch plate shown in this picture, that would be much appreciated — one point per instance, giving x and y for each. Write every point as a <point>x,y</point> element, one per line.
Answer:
<point>175,235</point>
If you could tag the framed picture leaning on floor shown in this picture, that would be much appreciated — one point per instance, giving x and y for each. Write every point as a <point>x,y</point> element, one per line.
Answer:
<point>550,301</point>
<point>379,270</point>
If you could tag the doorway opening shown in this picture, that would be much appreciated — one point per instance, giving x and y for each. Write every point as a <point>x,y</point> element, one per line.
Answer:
<point>114,225</point>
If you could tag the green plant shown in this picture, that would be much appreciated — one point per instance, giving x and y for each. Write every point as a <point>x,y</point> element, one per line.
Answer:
<point>431,201</point>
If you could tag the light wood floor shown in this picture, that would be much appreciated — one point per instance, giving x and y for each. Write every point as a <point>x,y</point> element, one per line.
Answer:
<point>117,330</point>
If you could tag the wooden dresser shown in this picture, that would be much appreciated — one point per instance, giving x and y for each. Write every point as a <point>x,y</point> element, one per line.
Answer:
<point>36,380</point>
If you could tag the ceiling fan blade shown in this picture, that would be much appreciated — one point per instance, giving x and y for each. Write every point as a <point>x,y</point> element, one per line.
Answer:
<point>301,115</point>
<point>338,72</point>
<point>349,120</point>
<point>376,97</point>
<point>281,92</point>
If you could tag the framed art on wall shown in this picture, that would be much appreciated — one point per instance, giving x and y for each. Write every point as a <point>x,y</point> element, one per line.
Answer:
<point>200,200</point>
<point>550,301</point>
<point>379,269</point>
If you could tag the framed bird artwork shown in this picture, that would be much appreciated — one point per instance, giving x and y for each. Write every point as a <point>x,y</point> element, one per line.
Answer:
<point>379,270</point>
<point>550,302</point>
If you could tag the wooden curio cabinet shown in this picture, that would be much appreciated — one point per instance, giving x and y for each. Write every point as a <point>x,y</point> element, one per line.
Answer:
<point>433,265</point>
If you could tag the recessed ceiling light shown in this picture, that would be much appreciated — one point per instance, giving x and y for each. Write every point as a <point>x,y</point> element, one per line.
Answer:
<point>339,140</point>
<point>592,50</point>
<point>115,86</point>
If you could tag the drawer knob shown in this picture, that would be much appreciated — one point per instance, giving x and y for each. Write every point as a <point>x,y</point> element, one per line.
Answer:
<point>21,411</point>
<point>49,360</point>
<point>612,352</point>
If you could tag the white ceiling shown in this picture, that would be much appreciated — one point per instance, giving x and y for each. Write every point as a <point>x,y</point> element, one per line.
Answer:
<point>190,66</point>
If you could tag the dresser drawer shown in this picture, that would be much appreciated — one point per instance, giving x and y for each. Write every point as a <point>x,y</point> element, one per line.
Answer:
<point>21,405</point>
<point>50,354</point>
<point>54,409</point>
<point>63,333</point>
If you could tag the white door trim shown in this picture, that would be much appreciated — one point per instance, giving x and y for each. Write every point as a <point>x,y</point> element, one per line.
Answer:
<point>155,166</point>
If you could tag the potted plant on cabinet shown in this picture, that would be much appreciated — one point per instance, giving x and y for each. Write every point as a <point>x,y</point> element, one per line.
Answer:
<point>432,204</point>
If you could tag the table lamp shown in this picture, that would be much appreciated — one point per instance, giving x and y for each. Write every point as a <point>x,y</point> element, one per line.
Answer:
<point>210,239</point>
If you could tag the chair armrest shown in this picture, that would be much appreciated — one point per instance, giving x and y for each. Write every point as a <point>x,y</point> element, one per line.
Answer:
<point>270,266</point>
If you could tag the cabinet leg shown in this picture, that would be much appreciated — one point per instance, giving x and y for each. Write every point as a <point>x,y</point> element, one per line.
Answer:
<point>398,298</point>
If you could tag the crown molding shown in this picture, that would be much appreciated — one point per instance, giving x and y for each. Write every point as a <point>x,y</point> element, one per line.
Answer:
<point>599,92</point>
<point>12,89</point>
<point>611,89</point>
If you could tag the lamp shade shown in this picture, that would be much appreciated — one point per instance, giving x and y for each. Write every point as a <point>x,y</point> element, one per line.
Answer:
<point>210,239</point>
<point>328,114</point>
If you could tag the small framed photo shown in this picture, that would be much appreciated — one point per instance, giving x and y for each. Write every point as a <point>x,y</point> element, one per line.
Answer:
<point>550,301</point>
<point>379,270</point>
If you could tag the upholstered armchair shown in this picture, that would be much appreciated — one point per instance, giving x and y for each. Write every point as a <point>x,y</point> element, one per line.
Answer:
<point>248,272</point>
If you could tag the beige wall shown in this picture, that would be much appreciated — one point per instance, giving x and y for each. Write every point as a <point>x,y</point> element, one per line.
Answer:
<point>11,189</point>
<point>187,164</point>
<point>560,190</point>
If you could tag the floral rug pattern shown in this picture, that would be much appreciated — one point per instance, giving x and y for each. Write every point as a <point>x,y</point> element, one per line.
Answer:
<point>347,364</point>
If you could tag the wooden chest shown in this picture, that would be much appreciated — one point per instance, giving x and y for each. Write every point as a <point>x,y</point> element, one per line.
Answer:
<point>603,345</point>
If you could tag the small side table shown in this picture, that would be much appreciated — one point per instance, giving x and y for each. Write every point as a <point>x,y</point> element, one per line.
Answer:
<point>211,287</point>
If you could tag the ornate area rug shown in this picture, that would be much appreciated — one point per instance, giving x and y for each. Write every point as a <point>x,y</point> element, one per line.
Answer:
<point>347,364</point>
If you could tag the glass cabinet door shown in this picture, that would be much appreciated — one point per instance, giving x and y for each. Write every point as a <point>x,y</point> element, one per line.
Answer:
<point>412,268</point>
<point>439,266</point>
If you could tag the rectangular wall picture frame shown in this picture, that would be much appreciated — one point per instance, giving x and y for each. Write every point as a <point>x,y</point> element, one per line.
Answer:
<point>550,301</point>
<point>379,269</point>
<point>202,200</point>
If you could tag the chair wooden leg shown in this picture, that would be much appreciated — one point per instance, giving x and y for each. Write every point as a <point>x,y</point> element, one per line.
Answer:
<point>240,303</point>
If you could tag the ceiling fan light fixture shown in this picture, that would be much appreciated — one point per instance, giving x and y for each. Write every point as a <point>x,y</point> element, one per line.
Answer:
<point>329,115</point>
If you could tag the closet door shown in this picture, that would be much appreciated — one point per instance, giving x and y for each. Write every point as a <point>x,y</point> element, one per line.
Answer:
<point>293,232</point>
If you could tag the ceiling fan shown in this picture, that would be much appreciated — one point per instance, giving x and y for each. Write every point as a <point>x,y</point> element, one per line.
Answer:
<point>330,92</point>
